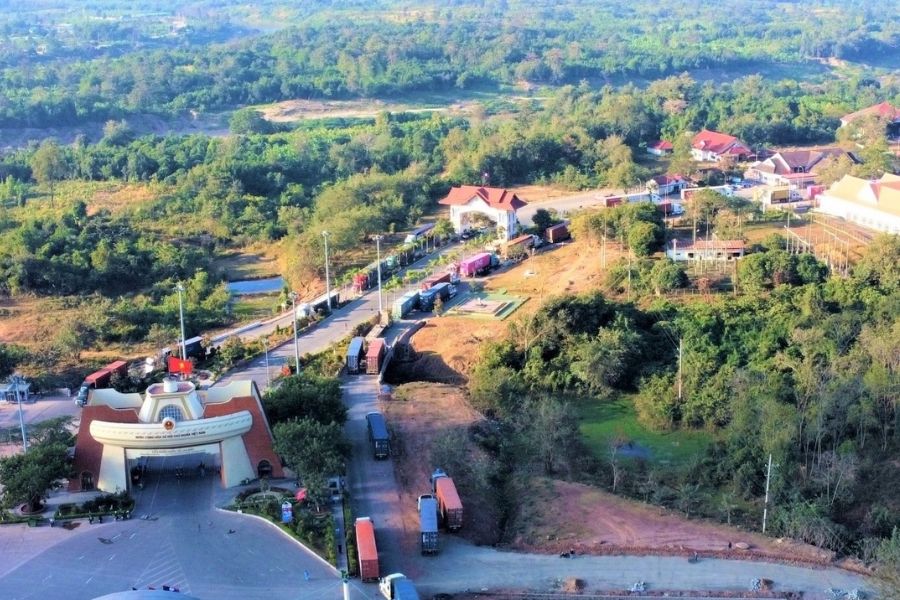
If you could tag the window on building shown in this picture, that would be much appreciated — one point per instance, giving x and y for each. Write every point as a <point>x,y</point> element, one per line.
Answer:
<point>172,412</point>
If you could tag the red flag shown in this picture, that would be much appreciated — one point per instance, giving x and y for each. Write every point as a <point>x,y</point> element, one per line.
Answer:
<point>180,365</point>
<point>300,496</point>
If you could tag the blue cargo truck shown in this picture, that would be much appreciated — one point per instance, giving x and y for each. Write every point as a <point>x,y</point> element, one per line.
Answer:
<point>355,354</point>
<point>428,523</point>
<point>404,304</point>
<point>378,435</point>
<point>443,290</point>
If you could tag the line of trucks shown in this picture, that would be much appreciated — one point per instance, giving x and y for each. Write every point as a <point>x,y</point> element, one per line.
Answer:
<point>441,507</point>
<point>365,358</point>
<point>100,379</point>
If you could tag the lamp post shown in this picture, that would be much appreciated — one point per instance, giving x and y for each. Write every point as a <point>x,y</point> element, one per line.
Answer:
<point>16,379</point>
<point>180,289</point>
<point>327,277</point>
<point>265,342</point>
<point>378,239</point>
<point>294,318</point>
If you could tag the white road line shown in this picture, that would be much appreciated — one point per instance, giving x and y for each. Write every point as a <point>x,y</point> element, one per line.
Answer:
<point>89,580</point>
<point>112,556</point>
<point>131,537</point>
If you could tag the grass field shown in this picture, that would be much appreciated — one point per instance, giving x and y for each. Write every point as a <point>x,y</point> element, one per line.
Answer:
<point>254,306</point>
<point>602,421</point>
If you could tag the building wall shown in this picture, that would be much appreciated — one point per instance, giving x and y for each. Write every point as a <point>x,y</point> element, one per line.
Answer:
<point>501,217</point>
<point>869,217</point>
<point>258,440</point>
<point>89,452</point>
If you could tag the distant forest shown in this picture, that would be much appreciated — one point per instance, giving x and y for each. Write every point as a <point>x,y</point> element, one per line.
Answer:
<point>89,69</point>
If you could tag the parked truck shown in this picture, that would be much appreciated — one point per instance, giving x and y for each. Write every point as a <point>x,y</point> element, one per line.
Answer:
<point>397,586</point>
<point>100,379</point>
<point>557,233</point>
<point>355,354</point>
<point>374,356</point>
<point>479,264</point>
<point>404,304</point>
<point>433,280</point>
<point>366,549</point>
<point>519,246</point>
<point>444,291</point>
<point>450,508</point>
<point>428,523</point>
<point>378,435</point>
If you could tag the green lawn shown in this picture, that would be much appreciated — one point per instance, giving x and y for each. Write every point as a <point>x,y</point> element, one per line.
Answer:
<point>254,306</point>
<point>601,421</point>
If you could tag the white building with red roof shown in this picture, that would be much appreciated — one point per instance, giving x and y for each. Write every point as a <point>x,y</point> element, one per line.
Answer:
<point>498,204</point>
<point>660,148</point>
<point>883,110</point>
<point>873,204</point>
<point>712,146</point>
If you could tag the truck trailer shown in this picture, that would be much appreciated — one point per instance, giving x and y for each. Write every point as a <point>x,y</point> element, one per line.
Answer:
<point>100,379</point>
<point>378,435</point>
<point>433,280</point>
<point>355,354</point>
<point>366,549</point>
<point>374,356</point>
<point>404,304</point>
<point>450,508</point>
<point>397,586</point>
<point>428,523</point>
<point>444,291</point>
<point>557,233</point>
<point>478,264</point>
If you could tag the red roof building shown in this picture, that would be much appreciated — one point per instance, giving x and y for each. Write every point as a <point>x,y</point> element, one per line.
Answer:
<point>884,110</point>
<point>498,204</point>
<point>493,197</point>
<point>711,146</point>
<point>660,147</point>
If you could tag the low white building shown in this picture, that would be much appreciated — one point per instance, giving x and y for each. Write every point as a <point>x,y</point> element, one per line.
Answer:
<point>499,205</point>
<point>872,204</point>
<point>706,250</point>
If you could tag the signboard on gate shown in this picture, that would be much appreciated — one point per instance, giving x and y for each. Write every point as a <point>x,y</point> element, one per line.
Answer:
<point>287,512</point>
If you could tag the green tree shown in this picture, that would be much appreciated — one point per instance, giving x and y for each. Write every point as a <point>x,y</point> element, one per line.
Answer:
<point>887,556</point>
<point>542,219</point>
<point>310,448</point>
<point>27,477</point>
<point>306,396</point>
<point>246,121</point>
<point>642,238</point>
<point>48,165</point>
<point>667,275</point>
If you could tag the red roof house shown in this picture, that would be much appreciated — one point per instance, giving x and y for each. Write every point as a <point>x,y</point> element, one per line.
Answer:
<point>712,146</point>
<point>660,147</point>
<point>498,204</point>
<point>884,110</point>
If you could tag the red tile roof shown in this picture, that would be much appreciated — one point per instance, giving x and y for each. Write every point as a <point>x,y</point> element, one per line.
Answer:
<point>493,197</point>
<point>669,179</point>
<point>884,110</point>
<point>662,145</point>
<point>719,143</point>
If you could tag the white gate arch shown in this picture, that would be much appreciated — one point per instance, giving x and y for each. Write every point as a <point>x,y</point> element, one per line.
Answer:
<point>498,204</point>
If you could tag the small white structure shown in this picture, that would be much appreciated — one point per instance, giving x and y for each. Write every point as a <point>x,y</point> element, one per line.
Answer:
<point>660,148</point>
<point>706,250</point>
<point>872,204</point>
<point>15,392</point>
<point>499,205</point>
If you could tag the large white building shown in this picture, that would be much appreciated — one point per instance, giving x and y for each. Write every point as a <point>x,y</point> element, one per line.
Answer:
<point>872,204</point>
<point>498,204</point>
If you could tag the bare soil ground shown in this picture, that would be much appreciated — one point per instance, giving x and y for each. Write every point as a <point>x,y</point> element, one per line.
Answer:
<point>28,320</point>
<point>289,111</point>
<point>420,412</point>
<point>543,193</point>
<point>561,515</point>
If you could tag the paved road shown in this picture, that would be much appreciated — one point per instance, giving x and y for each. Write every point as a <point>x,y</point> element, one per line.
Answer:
<point>461,566</point>
<point>563,205</point>
<point>187,545</point>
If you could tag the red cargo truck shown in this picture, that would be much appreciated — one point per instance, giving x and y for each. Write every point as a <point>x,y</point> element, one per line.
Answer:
<point>433,280</point>
<point>100,379</point>
<point>374,355</point>
<point>450,507</point>
<point>366,549</point>
<point>557,233</point>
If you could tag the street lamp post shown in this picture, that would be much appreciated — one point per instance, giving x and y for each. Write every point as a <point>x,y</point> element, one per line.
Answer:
<point>180,289</point>
<point>327,277</point>
<point>294,318</point>
<point>378,239</point>
<point>16,379</point>
<point>265,342</point>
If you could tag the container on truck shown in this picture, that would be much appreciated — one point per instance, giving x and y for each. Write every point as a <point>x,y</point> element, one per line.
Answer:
<point>475,265</point>
<point>428,523</point>
<point>366,549</point>
<point>518,245</point>
<point>374,356</point>
<point>378,435</point>
<point>100,379</point>
<point>360,282</point>
<point>611,201</point>
<point>433,280</point>
<point>355,354</point>
<point>444,291</point>
<point>418,234</point>
<point>557,233</point>
<point>397,586</point>
<point>450,508</point>
<point>404,304</point>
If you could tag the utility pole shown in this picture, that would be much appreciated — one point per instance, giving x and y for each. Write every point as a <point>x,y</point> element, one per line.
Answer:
<point>294,318</point>
<point>766,502</point>
<point>378,239</point>
<point>180,289</point>
<point>16,379</point>
<point>680,358</point>
<point>327,277</point>
<point>265,342</point>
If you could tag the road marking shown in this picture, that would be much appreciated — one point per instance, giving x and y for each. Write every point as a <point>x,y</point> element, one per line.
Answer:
<point>47,577</point>
<point>112,556</point>
<point>80,557</point>
<point>131,537</point>
<point>89,580</point>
